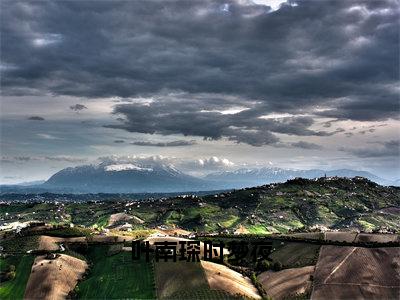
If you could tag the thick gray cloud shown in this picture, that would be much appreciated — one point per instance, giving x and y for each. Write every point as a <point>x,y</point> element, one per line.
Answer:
<point>337,55</point>
<point>36,118</point>
<point>306,145</point>
<point>203,116</point>
<point>78,107</point>
<point>178,143</point>
<point>386,149</point>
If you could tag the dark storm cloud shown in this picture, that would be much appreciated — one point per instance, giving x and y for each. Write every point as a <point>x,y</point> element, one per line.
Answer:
<point>306,145</point>
<point>78,107</point>
<point>36,118</point>
<point>178,143</point>
<point>201,116</point>
<point>340,55</point>
<point>386,149</point>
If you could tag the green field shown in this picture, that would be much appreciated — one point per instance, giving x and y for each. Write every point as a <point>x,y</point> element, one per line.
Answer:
<point>20,244</point>
<point>173,278</point>
<point>205,294</point>
<point>257,229</point>
<point>116,277</point>
<point>15,288</point>
<point>102,221</point>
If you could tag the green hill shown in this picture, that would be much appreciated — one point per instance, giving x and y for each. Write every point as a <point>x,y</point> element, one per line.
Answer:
<point>335,203</point>
<point>296,205</point>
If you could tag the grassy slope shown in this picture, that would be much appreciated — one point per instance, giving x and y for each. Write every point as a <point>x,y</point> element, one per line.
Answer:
<point>116,277</point>
<point>171,277</point>
<point>15,289</point>
<point>184,280</point>
<point>102,221</point>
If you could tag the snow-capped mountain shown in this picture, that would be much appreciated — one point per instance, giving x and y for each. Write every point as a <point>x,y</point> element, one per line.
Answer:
<point>259,176</point>
<point>125,167</point>
<point>157,176</point>
<point>114,177</point>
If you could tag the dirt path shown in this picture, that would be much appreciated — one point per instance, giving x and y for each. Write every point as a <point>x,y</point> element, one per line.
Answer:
<point>340,264</point>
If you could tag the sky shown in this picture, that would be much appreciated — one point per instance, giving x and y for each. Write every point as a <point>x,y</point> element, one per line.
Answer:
<point>207,85</point>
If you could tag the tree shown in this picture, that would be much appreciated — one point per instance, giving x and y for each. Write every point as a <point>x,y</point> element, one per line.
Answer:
<point>10,275</point>
<point>263,265</point>
<point>277,266</point>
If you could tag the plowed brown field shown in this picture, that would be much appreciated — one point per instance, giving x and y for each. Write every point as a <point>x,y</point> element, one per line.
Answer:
<point>287,283</point>
<point>220,277</point>
<point>379,238</point>
<point>355,273</point>
<point>54,278</point>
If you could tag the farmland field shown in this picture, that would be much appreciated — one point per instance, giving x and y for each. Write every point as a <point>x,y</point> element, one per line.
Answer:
<point>171,277</point>
<point>379,238</point>
<point>205,294</point>
<point>357,273</point>
<point>20,244</point>
<point>220,277</point>
<point>341,236</point>
<point>15,288</point>
<point>287,283</point>
<point>294,255</point>
<point>116,277</point>
<point>257,229</point>
<point>309,235</point>
<point>54,278</point>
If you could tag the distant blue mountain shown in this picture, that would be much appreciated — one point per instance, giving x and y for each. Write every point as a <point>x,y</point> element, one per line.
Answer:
<point>161,178</point>
<point>259,176</point>
<point>126,178</point>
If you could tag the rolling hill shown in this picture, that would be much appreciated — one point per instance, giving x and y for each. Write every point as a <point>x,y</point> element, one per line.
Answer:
<point>327,202</point>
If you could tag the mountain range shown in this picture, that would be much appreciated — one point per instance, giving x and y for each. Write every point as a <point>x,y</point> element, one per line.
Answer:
<point>259,176</point>
<point>111,177</point>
